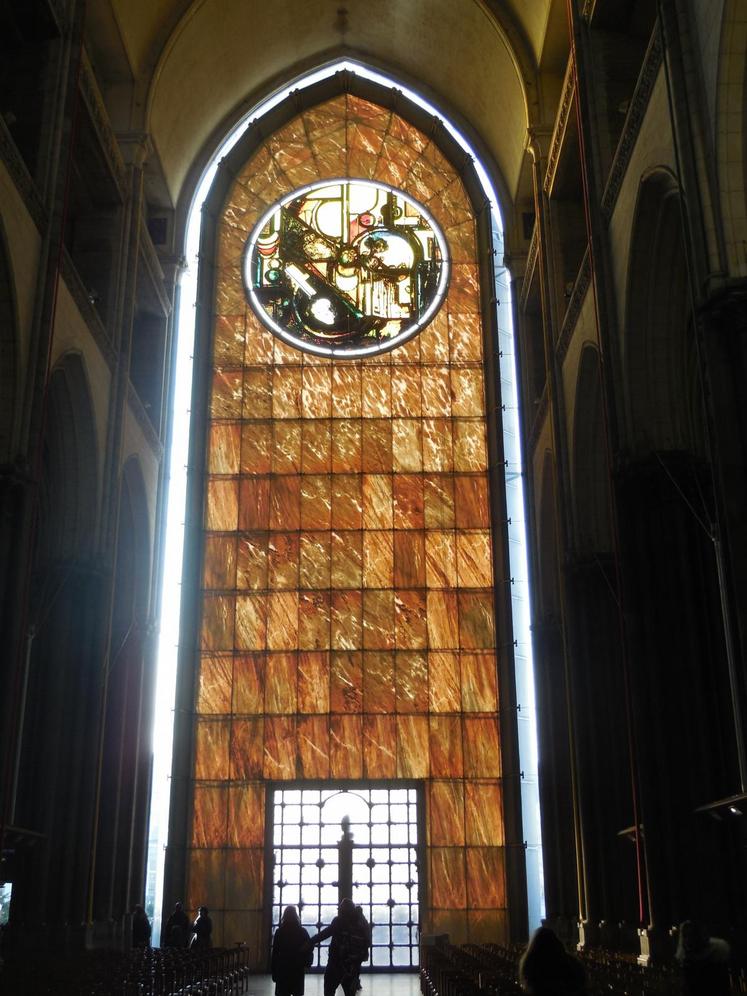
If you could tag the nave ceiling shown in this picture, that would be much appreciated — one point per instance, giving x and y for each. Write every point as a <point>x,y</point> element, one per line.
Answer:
<point>182,70</point>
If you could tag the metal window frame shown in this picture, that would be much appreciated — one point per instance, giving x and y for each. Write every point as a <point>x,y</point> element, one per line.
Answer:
<point>342,785</point>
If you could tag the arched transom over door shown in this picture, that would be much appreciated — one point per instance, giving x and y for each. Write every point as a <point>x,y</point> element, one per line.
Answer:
<point>348,624</point>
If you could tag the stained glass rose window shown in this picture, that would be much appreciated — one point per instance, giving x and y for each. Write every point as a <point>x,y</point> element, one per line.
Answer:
<point>346,268</point>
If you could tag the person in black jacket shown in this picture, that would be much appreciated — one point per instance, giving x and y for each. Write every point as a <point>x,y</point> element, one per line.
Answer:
<point>704,961</point>
<point>177,930</point>
<point>202,929</point>
<point>292,954</point>
<point>349,948</point>
<point>140,928</point>
<point>546,968</point>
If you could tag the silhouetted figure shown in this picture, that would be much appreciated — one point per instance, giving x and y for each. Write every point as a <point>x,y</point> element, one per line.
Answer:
<point>348,949</point>
<point>140,928</point>
<point>292,954</point>
<point>177,930</point>
<point>202,930</point>
<point>546,968</point>
<point>365,930</point>
<point>704,961</point>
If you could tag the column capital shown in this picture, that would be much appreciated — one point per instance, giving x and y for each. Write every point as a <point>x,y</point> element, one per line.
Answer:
<point>136,147</point>
<point>538,141</point>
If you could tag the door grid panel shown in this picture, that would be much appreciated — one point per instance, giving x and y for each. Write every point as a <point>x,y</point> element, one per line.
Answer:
<point>304,870</point>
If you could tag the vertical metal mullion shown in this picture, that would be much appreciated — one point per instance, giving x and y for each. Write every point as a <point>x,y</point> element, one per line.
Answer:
<point>411,868</point>
<point>390,866</point>
<point>322,800</point>
<point>320,870</point>
<point>281,852</point>
<point>415,876</point>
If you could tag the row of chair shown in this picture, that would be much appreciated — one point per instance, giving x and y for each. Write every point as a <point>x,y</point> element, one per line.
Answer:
<point>492,970</point>
<point>142,972</point>
<point>179,972</point>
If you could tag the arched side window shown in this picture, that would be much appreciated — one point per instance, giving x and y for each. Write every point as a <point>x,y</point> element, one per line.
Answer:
<point>664,394</point>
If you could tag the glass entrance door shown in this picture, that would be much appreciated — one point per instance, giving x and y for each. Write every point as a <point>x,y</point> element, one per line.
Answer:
<point>304,862</point>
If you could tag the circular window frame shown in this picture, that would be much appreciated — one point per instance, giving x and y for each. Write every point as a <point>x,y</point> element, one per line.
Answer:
<point>341,352</point>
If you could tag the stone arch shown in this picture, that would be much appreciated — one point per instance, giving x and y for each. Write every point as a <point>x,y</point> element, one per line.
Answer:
<point>731,134</point>
<point>67,608</point>
<point>590,472</point>
<point>125,764</point>
<point>595,668</point>
<point>68,499</point>
<point>188,136</point>
<point>134,545</point>
<point>346,81</point>
<point>8,351</point>
<point>674,620</point>
<point>663,393</point>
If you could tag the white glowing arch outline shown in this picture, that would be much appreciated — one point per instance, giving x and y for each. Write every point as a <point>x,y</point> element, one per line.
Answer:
<point>341,352</point>
<point>168,637</point>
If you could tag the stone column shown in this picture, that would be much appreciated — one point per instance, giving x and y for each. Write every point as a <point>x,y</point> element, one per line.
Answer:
<point>135,151</point>
<point>20,488</point>
<point>598,690</point>
<point>680,685</point>
<point>558,844</point>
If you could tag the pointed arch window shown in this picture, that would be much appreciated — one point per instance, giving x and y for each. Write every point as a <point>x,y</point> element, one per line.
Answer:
<point>355,637</point>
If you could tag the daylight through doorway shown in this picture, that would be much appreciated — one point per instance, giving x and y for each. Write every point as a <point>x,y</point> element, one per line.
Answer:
<point>305,870</point>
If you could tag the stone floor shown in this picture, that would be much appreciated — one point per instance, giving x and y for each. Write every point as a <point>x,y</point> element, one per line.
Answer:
<point>396,984</point>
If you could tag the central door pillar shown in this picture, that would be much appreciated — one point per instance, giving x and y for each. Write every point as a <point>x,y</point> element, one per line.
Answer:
<point>345,862</point>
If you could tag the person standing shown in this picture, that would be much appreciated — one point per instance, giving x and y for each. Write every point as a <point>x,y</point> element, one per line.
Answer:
<point>140,928</point>
<point>347,950</point>
<point>362,942</point>
<point>546,968</point>
<point>704,961</point>
<point>202,930</point>
<point>176,931</point>
<point>292,954</point>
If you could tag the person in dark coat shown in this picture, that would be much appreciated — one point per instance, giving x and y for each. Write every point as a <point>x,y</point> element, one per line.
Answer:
<point>546,968</point>
<point>348,949</point>
<point>140,928</point>
<point>292,954</point>
<point>704,961</point>
<point>177,930</point>
<point>202,929</point>
<point>364,940</point>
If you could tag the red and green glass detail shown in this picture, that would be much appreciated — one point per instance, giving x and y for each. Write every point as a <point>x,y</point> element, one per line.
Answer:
<point>347,267</point>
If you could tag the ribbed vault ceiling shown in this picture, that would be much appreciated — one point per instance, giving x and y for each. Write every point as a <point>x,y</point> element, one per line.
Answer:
<point>183,68</point>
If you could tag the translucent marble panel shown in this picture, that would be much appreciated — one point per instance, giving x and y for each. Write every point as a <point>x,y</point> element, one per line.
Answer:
<point>211,748</point>
<point>246,815</point>
<point>215,681</point>
<point>244,878</point>
<point>210,815</point>
<point>247,754</point>
<point>313,682</point>
<point>446,813</point>
<point>206,875</point>
<point>448,878</point>
<point>347,628</point>
<point>483,809</point>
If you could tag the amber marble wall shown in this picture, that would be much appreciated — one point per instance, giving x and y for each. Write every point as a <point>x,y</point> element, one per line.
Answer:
<point>348,625</point>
